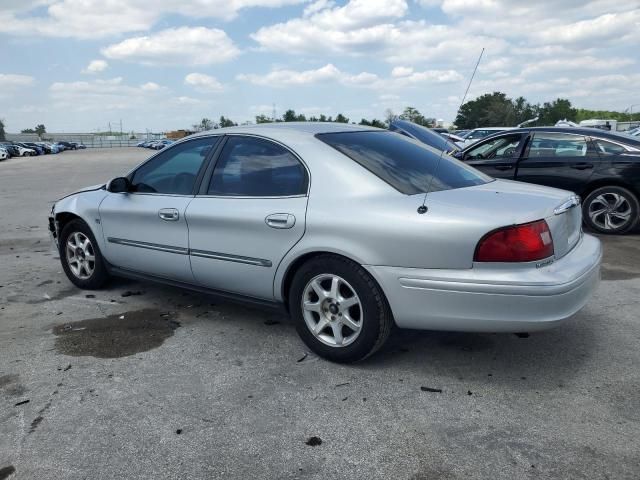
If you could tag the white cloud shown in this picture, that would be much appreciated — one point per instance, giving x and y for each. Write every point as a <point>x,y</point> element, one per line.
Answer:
<point>176,46</point>
<point>99,18</point>
<point>96,66</point>
<point>371,28</point>
<point>151,87</point>
<point>203,82</point>
<point>9,80</point>
<point>328,73</point>
<point>111,94</point>
<point>401,71</point>
<point>577,63</point>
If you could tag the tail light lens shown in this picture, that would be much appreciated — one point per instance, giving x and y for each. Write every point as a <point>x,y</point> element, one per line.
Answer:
<point>519,243</point>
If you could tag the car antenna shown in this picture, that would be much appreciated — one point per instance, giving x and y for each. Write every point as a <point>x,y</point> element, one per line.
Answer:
<point>423,208</point>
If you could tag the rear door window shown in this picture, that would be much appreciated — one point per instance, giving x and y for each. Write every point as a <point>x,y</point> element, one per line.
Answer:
<point>608,148</point>
<point>255,167</point>
<point>406,164</point>
<point>549,145</point>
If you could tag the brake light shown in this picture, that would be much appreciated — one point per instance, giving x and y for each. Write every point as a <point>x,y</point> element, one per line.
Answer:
<point>519,243</point>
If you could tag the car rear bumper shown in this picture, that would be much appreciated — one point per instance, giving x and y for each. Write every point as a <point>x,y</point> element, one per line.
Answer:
<point>493,298</point>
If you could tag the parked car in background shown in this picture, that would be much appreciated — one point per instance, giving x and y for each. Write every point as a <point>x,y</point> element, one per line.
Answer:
<point>351,229</point>
<point>67,145</point>
<point>423,134</point>
<point>459,141</point>
<point>78,146</point>
<point>3,154</point>
<point>159,145</point>
<point>50,147</point>
<point>9,148</point>
<point>24,151</point>
<point>39,150</point>
<point>602,167</point>
<point>479,133</point>
<point>634,132</point>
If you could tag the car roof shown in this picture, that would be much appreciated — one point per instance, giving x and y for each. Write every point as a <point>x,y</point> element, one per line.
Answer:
<point>311,128</point>
<point>586,131</point>
<point>493,128</point>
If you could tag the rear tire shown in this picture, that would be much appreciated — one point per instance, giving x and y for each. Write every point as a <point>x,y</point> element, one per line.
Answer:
<point>611,210</point>
<point>339,310</point>
<point>80,256</point>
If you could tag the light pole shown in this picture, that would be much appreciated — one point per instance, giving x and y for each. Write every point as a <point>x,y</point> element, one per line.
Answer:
<point>630,110</point>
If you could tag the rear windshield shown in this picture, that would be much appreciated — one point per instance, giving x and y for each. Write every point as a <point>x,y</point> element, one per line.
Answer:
<point>404,163</point>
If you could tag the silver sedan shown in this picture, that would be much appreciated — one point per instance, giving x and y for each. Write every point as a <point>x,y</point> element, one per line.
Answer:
<point>351,230</point>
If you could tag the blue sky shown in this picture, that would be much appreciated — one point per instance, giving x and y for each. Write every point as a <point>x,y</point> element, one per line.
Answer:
<point>76,65</point>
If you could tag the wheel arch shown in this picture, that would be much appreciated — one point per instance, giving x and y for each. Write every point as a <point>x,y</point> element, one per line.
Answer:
<point>608,182</point>
<point>295,264</point>
<point>62,218</point>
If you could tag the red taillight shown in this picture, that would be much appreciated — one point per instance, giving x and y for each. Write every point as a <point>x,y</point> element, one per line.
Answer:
<point>519,243</point>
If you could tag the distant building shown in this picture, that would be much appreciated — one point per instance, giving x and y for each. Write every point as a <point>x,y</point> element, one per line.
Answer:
<point>176,134</point>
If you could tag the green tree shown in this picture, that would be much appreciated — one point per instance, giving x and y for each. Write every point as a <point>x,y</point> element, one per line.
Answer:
<point>40,129</point>
<point>488,110</point>
<point>3,136</point>
<point>559,109</point>
<point>28,130</point>
<point>226,122</point>
<point>523,110</point>
<point>289,116</point>
<point>341,119</point>
<point>262,118</point>
<point>373,123</point>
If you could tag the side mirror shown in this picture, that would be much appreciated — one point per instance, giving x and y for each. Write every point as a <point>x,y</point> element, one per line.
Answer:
<point>119,185</point>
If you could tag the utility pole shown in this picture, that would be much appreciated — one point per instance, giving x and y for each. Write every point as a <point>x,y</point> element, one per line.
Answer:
<point>273,113</point>
<point>109,128</point>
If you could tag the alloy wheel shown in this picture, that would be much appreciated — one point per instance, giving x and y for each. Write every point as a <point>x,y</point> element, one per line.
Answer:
<point>610,211</point>
<point>332,310</point>
<point>80,255</point>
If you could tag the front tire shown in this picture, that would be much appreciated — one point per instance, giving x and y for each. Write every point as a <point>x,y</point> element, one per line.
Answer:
<point>339,310</point>
<point>81,257</point>
<point>611,210</point>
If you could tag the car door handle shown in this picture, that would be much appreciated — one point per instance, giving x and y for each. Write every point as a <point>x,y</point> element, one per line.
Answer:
<point>582,166</point>
<point>169,214</point>
<point>280,220</point>
<point>504,167</point>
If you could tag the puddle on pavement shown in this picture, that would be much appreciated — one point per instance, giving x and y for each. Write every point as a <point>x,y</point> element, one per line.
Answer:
<point>115,336</point>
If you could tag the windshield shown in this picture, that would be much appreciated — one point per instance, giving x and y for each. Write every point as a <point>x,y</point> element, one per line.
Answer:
<point>406,164</point>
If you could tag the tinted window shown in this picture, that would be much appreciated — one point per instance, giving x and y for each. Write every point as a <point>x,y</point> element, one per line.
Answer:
<point>403,163</point>
<point>501,147</point>
<point>557,145</point>
<point>253,167</point>
<point>608,148</point>
<point>173,171</point>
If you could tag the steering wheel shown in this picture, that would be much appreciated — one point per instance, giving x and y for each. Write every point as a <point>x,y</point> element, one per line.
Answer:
<point>509,152</point>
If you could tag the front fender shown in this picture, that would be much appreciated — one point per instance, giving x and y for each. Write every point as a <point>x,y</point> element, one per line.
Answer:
<point>85,205</point>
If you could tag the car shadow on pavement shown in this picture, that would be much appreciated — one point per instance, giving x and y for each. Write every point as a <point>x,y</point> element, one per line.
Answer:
<point>549,357</point>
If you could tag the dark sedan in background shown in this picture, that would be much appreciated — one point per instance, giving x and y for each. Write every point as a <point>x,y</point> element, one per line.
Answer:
<point>602,167</point>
